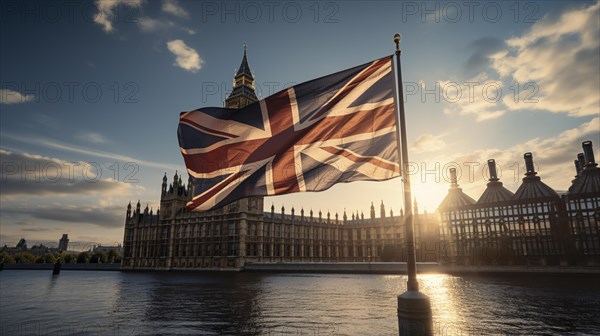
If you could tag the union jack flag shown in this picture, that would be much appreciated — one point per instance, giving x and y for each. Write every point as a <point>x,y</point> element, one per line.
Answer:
<point>337,128</point>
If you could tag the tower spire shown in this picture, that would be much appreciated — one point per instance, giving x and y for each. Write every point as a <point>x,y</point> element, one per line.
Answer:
<point>243,92</point>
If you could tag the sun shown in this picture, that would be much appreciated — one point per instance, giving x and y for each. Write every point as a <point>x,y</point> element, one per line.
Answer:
<point>429,193</point>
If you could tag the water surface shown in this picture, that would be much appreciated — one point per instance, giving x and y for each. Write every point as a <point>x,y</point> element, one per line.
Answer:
<point>116,303</point>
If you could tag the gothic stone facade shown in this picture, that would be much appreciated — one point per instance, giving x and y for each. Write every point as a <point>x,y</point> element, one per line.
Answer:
<point>241,232</point>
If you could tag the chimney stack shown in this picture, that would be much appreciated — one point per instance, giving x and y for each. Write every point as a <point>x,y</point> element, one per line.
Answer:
<point>577,168</point>
<point>589,154</point>
<point>492,167</point>
<point>529,168</point>
<point>580,162</point>
<point>453,180</point>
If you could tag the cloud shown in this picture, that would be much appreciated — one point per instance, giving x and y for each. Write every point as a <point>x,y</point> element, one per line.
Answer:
<point>562,56</point>
<point>35,229</point>
<point>148,24</point>
<point>27,174</point>
<point>428,143</point>
<point>173,7</point>
<point>552,66</point>
<point>106,15</point>
<point>478,96</point>
<point>14,97</point>
<point>186,57</point>
<point>53,144</point>
<point>28,227</point>
<point>92,137</point>
<point>189,31</point>
<point>108,217</point>
<point>553,158</point>
<point>483,48</point>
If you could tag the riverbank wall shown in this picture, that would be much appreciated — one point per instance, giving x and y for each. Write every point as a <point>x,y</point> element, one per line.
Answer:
<point>343,267</point>
<point>422,268</point>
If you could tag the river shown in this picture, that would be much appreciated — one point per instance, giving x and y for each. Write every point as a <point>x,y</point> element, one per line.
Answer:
<point>231,303</point>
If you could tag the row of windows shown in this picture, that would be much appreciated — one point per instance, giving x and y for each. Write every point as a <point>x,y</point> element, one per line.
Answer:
<point>525,247</point>
<point>148,249</point>
<point>287,231</point>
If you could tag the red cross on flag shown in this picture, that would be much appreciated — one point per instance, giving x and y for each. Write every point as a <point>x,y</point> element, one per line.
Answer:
<point>337,128</point>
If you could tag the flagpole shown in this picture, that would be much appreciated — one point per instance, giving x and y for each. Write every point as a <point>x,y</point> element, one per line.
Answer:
<point>414,308</point>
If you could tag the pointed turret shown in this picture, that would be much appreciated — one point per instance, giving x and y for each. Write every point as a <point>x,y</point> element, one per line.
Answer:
<point>175,181</point>
<point>382,210</point>
<point>243,93</point>
<point>190,185</point>
<point>244,69</point>
<point>372,211</point>
<point>164,185</point>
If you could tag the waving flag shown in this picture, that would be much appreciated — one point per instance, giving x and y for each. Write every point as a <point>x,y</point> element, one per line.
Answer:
<point>337,128</point>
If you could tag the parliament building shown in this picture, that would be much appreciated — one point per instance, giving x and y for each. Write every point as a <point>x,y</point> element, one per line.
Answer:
<point>534,225</point>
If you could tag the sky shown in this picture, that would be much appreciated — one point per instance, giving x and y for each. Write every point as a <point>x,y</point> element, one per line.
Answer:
<point>91,91</point>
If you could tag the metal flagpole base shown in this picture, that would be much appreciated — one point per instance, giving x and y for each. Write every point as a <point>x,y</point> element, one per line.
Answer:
<point>414,314</point>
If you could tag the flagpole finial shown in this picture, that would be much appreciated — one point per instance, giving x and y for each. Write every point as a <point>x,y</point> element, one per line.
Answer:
<point>397,38</point>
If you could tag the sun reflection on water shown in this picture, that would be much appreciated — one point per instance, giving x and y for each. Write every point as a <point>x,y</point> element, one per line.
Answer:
<point>445,302</point>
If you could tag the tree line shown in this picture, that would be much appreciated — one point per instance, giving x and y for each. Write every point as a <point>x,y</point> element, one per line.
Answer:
<point>69,258</point>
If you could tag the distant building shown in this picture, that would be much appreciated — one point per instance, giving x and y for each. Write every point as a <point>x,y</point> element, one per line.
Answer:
<point>116,248</point>
<point>40,250</point>
<point>63,243</point>
<point>22,245</point>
